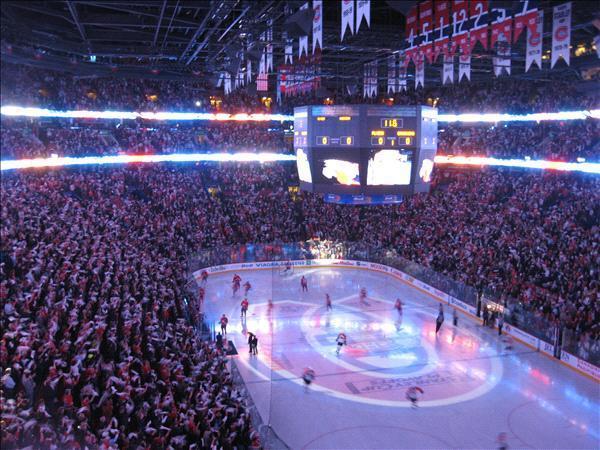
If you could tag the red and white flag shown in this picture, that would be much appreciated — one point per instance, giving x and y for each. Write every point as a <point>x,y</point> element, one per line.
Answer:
<point>317,25</point>
<point>533,53</point>
<point>561,33</point>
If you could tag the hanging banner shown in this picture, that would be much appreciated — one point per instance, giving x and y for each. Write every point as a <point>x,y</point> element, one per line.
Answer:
<point>227,83</point>
<point>374,79</point>
<point>363,9</point>
<point>501,27</point>
<point>526,18</point>
<point>347,16</point>
<point>448,72</point>
<point>460,32</point>
<point>392,77</point>
<point>412,25</point>
<point>303,40</point>
<point>269,66</point>
<point>419,69</point>
<point>402,73</point>
<point>464,67</point>
<point>317,25</point>
<point>289,53</point>
<point>479,12</point>
<point>442,29</point>
<point>533,54</point>
<point>502,61</point>
<point>426,20</point>
<point>248,72</point>
<point>561,33</point>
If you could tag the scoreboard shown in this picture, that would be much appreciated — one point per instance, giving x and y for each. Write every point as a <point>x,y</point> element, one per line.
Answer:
<point>365,150</point>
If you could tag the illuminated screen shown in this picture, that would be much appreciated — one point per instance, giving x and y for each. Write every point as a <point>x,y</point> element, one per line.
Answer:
<point>341,172</point>
<point>389,167</point>
<point>303,166</point>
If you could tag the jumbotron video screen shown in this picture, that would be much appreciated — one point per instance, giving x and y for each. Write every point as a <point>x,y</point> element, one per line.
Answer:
<point>374,153</point>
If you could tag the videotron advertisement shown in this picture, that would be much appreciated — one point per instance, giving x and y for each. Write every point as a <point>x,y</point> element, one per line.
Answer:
<point>373,150</point>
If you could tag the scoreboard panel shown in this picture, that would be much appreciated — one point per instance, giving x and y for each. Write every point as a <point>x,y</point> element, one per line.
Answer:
<point>365,150</point>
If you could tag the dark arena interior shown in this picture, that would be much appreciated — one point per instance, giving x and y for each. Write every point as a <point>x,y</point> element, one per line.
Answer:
<point>314,224</point>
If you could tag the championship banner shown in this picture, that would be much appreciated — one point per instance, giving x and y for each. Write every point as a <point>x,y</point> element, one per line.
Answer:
<point>525,19</point>
<point>448,72</point>
<point>464,67</point>
<point>363,9</point>
<point>347,17</point>
<point>503,26</point>
<point>442,29</point>
<point>303,40</point>
<point>561,33</point>
<point>460,33</point>
<point>317,25</point>
<point>419,69</point>
<point>392,79</point>
<point>227,83</point>
<point>411,32</point>
<point>248,71</point>
<point>426,20</point>
<point>479,12</point>
<point>533,54</point>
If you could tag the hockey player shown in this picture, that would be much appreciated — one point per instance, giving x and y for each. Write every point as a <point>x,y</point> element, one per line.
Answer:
<point>247,287</point>
<point>454,317</point>
<point>308,376</point>
<point>341,341</point>
<point>244,306</point>
<point>328,302</point>
<point>288,267</point>
<point>413,393</point>
<point>270,307</point>
<point>224,321</point>
<point>203,277</point>
<point>304,284</point>
<point>236,283</point>
<point>440,319</point>
<point>362,296</point>
<point>398,305</point>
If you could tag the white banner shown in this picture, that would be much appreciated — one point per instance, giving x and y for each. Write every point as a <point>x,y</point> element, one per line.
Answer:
<point>502,61</point>
<point>374,79</point>
<point>401,73</point>
<point>363,9</point>
<point>289,53</point>
<point>448,72</point>
<point>561,33</point>
<point>303,40</point>
<point>227,83</point>
<point>270,47</point>
<point>533,54</point>
<point>419,69</point>
<point>392,78</point>
<point>464,67</point>
<point>248,71</point>
<point>317,25</point>
<point>347,17</point>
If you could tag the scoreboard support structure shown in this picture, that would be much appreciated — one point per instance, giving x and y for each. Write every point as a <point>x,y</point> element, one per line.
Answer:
<point>364,154</point>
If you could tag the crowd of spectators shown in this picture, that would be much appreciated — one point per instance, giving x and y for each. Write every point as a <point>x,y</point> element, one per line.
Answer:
<point>30,86</point>
<point>96,349</point>
<point>557,141</point>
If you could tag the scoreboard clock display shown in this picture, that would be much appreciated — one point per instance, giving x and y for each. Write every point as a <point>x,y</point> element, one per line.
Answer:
<point>359,150</point>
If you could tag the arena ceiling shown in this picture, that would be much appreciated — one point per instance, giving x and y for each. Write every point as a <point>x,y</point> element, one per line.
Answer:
<point>178,38</point>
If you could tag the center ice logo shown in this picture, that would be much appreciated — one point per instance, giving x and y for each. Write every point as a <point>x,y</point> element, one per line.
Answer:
<point>384,356</point>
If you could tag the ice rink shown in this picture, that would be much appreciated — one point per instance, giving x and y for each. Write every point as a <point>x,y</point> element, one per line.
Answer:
<point>474,388</point>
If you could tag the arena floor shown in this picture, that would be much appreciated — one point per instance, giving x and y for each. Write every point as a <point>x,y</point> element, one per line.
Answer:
<point>473,387</point>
